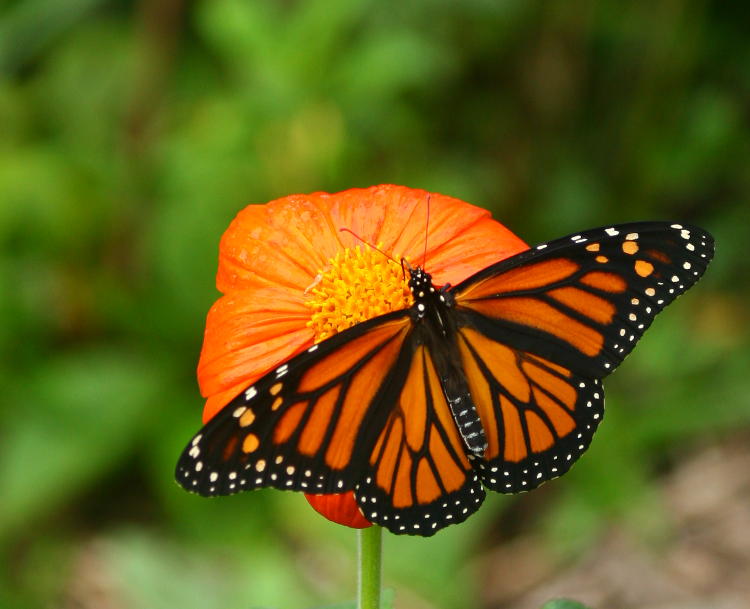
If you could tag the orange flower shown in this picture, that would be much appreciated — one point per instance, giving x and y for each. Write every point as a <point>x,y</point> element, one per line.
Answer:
<point>291,277</point>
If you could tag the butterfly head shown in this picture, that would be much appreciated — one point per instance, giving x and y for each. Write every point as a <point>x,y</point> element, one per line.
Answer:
<point>420,282</point>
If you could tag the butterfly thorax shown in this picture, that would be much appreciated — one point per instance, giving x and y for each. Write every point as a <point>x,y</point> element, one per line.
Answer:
<point>429,301</point>
<point>434,317</point>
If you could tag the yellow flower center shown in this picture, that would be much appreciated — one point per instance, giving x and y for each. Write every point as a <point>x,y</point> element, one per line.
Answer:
<point>357,285</point>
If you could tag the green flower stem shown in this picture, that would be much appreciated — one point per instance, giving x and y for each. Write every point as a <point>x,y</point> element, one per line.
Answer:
<point>370,551</point>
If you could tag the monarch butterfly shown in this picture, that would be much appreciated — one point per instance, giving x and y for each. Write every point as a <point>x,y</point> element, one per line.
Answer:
<point>493,383</point>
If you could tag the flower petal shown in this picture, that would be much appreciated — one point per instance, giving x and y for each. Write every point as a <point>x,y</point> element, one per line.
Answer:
<point>284,242</point>
<point>288,241</point>
<point>341,508</point>
<point>462,238</point>
<point>248,333</point>
<point>473,248</point>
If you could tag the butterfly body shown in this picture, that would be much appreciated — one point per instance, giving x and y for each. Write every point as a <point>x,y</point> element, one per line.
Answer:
<point>493,383</point>
<point>433,309</point>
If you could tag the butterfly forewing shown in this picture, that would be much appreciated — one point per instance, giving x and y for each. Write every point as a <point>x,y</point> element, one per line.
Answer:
<point>306,425</point>
<point>584,301</point>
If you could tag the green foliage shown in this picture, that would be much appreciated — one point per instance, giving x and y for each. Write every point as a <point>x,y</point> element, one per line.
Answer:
<point>130,138</point>
<point>386,602</point>
<point>564,603</point>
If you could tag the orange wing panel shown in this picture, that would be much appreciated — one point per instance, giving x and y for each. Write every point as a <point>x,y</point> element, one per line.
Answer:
<point>528,277</point>
<point>363,386</point>
<point>427,487</point>
<point>561,420</point>
<point>595,307</point>
<point>515,443</point>
<point>342,360</point>
<point>414,399</point>
<point>289,422</point>
<point>539,434</point>
<point>537,314</point>
<point>553,384</point>
<point>452,475</point>
<point>607,282</point>
<point>403,490</point>
<point>317,425</point>
<point>392,438</point>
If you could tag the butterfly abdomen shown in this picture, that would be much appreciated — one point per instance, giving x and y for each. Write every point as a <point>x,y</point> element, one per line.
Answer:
<point>464,412</point>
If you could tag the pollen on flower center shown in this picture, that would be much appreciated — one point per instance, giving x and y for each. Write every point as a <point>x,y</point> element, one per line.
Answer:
<point>357,285</point>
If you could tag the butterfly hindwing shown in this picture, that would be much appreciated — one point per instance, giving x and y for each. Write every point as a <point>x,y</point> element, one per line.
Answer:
<point>584,301</point>
<point>538,416</point>
<point>304,426</point>
<point>420,477</point>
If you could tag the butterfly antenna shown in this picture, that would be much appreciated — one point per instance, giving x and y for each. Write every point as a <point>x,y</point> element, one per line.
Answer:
<point>377,249</point>
<point>426,229</point>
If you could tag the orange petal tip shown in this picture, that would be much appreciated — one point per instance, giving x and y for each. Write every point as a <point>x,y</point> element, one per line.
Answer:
<point>340,508</point>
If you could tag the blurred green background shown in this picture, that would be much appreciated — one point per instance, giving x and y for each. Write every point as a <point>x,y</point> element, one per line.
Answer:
<point>132,132</point>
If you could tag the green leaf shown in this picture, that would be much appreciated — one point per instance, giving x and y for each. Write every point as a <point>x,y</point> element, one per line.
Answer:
<point>74,419</point>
